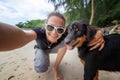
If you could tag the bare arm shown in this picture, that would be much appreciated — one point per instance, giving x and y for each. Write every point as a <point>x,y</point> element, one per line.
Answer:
<point>12,37</point>
<point>60,56</point>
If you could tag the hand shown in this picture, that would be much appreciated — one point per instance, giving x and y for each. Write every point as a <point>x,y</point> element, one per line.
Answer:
<point>97,41</point>
<point>57,75</point>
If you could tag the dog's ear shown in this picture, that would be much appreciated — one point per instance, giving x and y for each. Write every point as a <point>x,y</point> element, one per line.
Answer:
<point>66,31</point>
<point>91,31</point>
<point>68,26</point>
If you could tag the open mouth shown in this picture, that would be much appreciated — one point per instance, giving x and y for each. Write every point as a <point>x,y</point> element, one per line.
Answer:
<point>71,46</point>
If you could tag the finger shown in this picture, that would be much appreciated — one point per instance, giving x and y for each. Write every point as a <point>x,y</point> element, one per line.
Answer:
<point>94,47</point>
<point>58,78</point>
<point>99,33</point>
<point>102,45</point>
<point>92,41</point>
<point>95,42</point>
<point>98,44</point>
<point>97,36</point>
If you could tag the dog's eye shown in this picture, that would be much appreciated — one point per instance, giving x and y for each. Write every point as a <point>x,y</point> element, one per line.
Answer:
<point>76,29</point>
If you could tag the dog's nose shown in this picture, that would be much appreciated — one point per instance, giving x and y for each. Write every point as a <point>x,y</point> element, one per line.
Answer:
<point>67,41</point>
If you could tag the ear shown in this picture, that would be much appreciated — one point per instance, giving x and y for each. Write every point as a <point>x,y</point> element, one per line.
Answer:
<point>91,31</point>
<point>69,25</point>
<point>66,31</point>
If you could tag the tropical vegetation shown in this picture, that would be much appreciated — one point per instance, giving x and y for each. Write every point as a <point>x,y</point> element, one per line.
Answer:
<point>106,12</point>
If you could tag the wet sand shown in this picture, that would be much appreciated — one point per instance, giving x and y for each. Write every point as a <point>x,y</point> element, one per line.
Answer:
<point>19,65</point>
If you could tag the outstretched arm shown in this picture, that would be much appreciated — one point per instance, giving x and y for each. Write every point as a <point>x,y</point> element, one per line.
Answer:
<point>60,55</point>
<point>12,37</point>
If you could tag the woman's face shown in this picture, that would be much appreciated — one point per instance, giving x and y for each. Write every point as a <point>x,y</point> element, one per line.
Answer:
<point>53,36</point>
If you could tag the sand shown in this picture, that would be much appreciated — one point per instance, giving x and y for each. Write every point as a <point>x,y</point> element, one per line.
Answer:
<point>19,65</point>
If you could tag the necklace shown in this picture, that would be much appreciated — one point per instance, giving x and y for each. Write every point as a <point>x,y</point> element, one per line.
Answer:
<point>49,44</point>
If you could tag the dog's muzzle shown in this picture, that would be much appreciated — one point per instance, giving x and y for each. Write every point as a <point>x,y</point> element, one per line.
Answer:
<point>68,42</point>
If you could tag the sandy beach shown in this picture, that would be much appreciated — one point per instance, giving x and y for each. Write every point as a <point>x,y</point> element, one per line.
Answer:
<point>19,65</point>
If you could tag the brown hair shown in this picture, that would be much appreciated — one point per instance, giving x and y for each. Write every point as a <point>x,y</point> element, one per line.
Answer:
<point>56,14</point>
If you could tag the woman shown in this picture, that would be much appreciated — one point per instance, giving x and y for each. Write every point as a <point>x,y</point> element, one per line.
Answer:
<point>49,40</point>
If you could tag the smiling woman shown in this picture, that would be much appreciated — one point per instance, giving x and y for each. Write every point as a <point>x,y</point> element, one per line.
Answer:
<point>47,40</point>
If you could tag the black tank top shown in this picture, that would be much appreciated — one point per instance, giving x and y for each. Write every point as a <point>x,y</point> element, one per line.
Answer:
<point>41,40</point>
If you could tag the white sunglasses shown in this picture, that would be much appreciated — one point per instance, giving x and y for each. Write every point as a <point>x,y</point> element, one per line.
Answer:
<point>59,30</point>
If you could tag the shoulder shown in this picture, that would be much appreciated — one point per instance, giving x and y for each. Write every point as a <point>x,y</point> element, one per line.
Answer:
<point>39,31</point>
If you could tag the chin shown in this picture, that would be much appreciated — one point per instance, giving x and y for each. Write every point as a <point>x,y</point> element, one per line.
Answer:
<point>53,40</point>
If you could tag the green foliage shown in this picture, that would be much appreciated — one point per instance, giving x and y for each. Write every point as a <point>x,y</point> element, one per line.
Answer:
<point>31,24</point>
<point>75,9</point>
<point>20,24</point>
<point>106,11</point>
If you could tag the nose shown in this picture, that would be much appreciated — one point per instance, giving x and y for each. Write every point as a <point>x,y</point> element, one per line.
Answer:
<point>54,31</point>
<point>67,41</point>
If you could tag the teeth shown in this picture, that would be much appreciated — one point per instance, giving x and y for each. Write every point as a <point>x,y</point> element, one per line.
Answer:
<point>54,36</point>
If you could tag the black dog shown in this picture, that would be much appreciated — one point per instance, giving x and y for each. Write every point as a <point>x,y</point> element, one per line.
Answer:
<point>79,34</point>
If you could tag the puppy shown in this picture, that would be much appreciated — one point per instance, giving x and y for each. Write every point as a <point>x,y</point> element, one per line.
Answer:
<point>79,35</point>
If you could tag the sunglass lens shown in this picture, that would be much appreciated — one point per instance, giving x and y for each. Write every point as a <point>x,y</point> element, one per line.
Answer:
<point>50,28</point>
<point>60,30</point>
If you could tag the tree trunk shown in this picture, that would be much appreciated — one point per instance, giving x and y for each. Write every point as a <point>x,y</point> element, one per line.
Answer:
<point>92,12</point>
